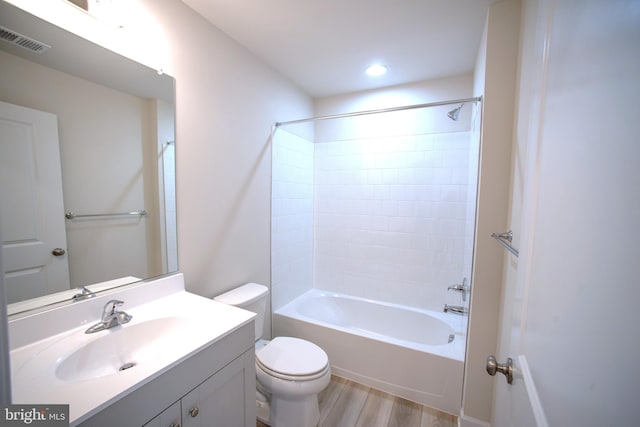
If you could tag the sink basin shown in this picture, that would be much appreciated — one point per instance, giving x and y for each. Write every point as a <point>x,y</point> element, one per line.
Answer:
<point>53,360</point>
<point>119,349</point>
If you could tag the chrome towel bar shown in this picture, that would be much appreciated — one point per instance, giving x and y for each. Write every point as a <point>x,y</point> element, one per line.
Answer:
<point>505,240</point>
<point>71,215</point>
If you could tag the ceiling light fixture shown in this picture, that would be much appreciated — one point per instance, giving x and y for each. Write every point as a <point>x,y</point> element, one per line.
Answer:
<point>376,70</point>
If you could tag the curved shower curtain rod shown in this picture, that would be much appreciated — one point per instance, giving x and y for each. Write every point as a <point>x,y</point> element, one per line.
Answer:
<point>382,110</point>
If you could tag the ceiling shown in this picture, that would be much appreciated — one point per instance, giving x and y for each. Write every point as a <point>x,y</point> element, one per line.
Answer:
<point>324,46</point>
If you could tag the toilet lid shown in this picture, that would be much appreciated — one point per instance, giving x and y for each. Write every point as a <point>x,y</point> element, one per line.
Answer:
<point>292,357</point>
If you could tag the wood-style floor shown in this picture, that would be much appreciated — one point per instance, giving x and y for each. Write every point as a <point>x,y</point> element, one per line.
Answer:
<point>347,404</point>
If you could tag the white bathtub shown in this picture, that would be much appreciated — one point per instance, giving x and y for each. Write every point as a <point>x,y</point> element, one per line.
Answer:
<point>415,354</point>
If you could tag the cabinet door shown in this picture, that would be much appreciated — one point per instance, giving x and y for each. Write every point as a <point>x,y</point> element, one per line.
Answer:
<point>170,417</point>
<point>221,401</point>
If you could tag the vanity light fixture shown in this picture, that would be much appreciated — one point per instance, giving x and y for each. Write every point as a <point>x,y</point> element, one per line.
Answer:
<point>376,70</point>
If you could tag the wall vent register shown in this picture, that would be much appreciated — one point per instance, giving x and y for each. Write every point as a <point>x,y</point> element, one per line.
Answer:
<point>25,42</point>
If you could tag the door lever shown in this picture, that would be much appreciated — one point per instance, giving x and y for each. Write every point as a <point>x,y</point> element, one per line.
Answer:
<point>504,368</point>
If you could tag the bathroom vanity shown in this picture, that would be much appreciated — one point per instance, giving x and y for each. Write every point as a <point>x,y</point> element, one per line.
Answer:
<point>215,387</point>
<point>181,360</point>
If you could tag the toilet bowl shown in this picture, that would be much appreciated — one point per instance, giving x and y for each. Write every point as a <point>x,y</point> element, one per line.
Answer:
<point>290,372</point>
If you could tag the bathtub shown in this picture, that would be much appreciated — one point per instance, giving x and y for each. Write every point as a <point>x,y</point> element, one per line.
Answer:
<point>411,353</point>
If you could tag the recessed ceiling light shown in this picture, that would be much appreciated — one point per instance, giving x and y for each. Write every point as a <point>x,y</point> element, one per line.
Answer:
<point>376,70</point>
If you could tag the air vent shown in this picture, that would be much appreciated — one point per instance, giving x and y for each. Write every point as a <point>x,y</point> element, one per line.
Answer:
<point>12,37</point>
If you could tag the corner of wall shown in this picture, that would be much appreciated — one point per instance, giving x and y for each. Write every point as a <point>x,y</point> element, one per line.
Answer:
<point>5,370</point>
<point>495,80</point>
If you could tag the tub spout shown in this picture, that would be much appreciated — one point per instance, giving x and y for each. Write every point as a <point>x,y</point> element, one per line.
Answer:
<point>462,311</point>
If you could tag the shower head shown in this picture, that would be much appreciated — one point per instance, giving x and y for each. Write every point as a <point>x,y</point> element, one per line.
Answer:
<point>453,114</point>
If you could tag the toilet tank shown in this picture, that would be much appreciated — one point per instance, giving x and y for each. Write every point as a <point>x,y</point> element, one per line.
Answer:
<point>252,297</point>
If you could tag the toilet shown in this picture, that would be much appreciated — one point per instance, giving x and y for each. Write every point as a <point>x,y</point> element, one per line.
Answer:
<point>290,372</point>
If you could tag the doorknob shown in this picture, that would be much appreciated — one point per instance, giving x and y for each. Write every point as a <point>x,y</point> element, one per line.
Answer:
<point>504,368</point>
<point>58,252</point>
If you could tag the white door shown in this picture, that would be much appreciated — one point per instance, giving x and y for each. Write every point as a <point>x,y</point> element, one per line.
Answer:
<point>31,206</point>
<point>569,319</point>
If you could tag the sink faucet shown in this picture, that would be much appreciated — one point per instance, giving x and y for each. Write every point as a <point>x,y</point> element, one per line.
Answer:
<point>110,317</point>
<point>84,294</point>
<point>462,311</point>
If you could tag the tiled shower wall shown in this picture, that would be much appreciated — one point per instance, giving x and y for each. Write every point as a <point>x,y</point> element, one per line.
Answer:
<point>291,217</point>
<point>384,218</point>
<point>391,217</point>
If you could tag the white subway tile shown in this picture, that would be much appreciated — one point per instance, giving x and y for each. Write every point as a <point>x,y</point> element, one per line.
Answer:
<point>390,176</point>
<point>454,193</point>
<point>375,205</point>
<point>432,159</point>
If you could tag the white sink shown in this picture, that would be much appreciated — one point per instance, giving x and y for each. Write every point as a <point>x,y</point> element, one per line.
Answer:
<point>118,349</point>
<point>53,360</point>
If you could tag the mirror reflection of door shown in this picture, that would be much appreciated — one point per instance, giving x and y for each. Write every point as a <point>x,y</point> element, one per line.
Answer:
<point>34,245</point>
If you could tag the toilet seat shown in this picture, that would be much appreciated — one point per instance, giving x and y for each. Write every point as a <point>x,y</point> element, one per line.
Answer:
<point>282,376</point>
<point>292,359</point>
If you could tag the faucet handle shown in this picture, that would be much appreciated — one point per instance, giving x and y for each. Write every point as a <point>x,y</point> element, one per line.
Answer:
<point>463,288</point>
<point>110,307</point>
<point>114,303</point>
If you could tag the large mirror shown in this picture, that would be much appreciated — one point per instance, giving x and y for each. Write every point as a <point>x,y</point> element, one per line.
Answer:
<point>87,166</point>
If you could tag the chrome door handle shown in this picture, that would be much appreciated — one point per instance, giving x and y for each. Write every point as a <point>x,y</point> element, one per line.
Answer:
<point>504,368</point>
<point>58,252</point>
<point>194,411</point>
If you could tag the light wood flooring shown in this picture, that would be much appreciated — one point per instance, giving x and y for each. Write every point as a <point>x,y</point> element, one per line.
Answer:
<point>347,404</point>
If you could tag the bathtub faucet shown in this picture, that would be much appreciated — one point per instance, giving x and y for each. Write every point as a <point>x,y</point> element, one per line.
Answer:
<point>463,288</point>
<point>462,311</point>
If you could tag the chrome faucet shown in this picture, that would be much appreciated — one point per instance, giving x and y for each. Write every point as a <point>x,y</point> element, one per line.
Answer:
<point>84,294</point>
<point>110,317</point>
<point>463,288</point>
<point>462,311</point>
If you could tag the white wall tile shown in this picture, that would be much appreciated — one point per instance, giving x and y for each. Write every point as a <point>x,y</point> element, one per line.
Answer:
<point>399,235</point>
<point>384,218</point>
<point>292,217</point>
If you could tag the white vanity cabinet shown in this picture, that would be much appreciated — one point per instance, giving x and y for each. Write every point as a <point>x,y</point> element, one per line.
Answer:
<point>218,402</point>
<point>215,387</point>
<point>170,417</point>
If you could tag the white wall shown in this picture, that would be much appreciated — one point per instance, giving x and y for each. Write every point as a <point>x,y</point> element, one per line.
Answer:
<point>165,154</point>
<point>5,368</point>
<point>227,101</point>
<point>495,76</point>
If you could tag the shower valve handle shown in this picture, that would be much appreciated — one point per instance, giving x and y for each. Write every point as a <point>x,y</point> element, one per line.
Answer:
<point>463,288</point>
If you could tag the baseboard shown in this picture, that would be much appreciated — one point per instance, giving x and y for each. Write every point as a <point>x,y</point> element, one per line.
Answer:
<point>467,421</point>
